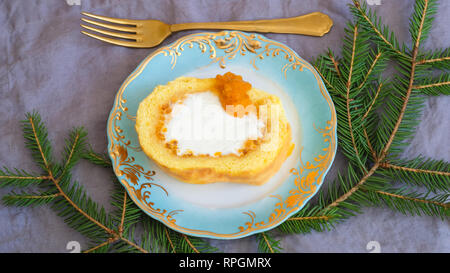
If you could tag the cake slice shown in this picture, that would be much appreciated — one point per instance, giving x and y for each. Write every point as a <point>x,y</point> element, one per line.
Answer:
<point>214,130</point>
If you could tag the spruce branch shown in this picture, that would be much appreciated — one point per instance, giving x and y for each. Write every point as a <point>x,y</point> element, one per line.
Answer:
<point>20,178</point>
<point>159,237</point>
<point>342,189</point>
<point>370,118</point>
<point>421,20</point>
<point>373,101</point>
<point>81,212</point>
<point>431,174</point>
<point>349,73</point>
<point>64,195</point>
<point>125,212</point>
<point>327,67</point>
<point>25,199</point>
<point>335,63</point>
<point>73,149</point>
<point>412,203</point>
<point>396,126</point>
<point>164,239</point>
<point>96,158</point>
<point>378,62</point>
<point>399,120</point>
<point>130,245</point>
<point>191,247</point>
<point>100,248</point>
<point>370,145</point>
<point>35,134</point>
<point>439,59</point>
<point>168,240</point>
<point>434,86</point>
<point>309,219</point>
<point>267,243</point>
<point>383,36</point>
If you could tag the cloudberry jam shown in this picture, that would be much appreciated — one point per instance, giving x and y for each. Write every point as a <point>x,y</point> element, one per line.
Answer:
<point>233,91</point>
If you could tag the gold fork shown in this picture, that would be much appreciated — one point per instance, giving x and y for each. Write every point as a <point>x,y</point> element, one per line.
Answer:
<point>150,33</point>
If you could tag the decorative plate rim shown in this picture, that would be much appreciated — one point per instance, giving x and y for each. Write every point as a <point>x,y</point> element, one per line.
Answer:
<point>247,42</point>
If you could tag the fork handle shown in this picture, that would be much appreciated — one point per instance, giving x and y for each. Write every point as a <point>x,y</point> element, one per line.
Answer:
<point>313,24</point>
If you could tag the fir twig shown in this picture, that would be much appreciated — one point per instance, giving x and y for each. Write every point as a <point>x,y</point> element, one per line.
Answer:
<point>396,126</point>
<point>267,243</point>
<point>35,135</point>
<point>439,59</point>
<point>348,99</point>
<point>73,150</point>
<point>412,203</point>
<point>404,105</point>
<point>371,23</point>
<point>25,199</point>
<point>102,246</point>
<point>20,178</point>
<point>433,86</point>
<point>309,219</point>
<point>431,174</point>
<point>96,158</point>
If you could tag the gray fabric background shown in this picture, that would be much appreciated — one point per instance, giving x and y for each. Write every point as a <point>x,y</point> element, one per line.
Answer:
<point>47,65</point>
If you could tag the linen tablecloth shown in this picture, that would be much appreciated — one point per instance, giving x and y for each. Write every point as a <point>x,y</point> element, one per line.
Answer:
<point>47,65</point>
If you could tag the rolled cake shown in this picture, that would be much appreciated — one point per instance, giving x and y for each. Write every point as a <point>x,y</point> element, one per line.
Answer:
<point>214,130</point>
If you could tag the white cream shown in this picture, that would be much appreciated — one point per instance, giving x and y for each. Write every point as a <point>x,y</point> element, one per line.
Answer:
<point>200,125</point>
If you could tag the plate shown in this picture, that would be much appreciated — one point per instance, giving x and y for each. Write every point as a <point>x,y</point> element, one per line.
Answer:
<point>227,210</point>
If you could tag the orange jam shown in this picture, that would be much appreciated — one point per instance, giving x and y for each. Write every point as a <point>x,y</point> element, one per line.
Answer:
<point>233,92</point>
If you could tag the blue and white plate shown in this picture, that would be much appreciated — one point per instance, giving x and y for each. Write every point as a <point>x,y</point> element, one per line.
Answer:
<point>227,210</point>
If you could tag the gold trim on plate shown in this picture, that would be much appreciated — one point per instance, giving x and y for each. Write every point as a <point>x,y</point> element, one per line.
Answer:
<point>231,43</point>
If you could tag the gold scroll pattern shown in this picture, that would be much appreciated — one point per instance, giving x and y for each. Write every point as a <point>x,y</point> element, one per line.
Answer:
<point>305,185</point>
<point>125,165</point>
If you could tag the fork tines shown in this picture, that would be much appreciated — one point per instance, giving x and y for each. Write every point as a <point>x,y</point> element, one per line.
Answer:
<point>129,29</point>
